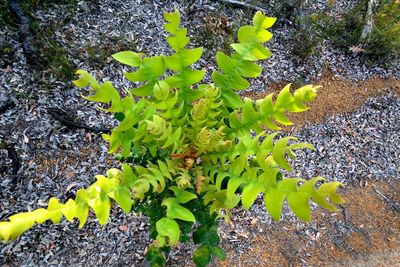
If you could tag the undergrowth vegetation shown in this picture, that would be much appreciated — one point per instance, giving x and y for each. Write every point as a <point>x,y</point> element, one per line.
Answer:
<point>384,41</point>
<point>50,55</point>
<point>191,152</point>
<point>382,44</point>
<point>215,31</point>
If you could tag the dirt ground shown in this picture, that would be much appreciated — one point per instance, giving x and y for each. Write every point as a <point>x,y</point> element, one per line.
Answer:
<point>366,232</point>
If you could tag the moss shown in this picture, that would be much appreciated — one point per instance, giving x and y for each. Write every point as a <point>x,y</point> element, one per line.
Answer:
<point>5,18</point>
<point>99,54</point>
<point>287,9</point>
<point>51,55</point>
<point>55,59</point>
<point>6,55</point>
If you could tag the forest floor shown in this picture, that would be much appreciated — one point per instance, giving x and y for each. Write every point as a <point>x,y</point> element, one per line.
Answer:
<point>353,123</point>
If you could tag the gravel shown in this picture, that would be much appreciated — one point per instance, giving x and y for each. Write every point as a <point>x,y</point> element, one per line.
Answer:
<point>363,145</point>
<point>57,161</point>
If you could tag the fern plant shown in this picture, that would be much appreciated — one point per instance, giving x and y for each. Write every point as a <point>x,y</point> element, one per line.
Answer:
<point>192,152</point>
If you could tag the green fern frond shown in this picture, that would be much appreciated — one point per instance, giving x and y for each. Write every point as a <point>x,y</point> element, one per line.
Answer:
<point>154,175</point>
<point>298,197</point>
<point>180,61</point>
<point>214,106</point>
<point>150,70</point>
<point>167,104</point>
<point>257,148</point>
<point>98,197</point>
<point>264,112</point>
<point>163,134</point>
<point>238,66</point>
<point>205,113</point>
<point>253,182</point>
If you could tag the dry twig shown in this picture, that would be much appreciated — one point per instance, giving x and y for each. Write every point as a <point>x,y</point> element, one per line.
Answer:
<point>390,201</point>
<point>238,3</point>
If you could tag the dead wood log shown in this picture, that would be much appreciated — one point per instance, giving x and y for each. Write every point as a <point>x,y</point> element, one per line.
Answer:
<point>24,31</point>
<point>15,164</point>
<point>5,103</point>
<point>66,120</point>
<point>243,4</point>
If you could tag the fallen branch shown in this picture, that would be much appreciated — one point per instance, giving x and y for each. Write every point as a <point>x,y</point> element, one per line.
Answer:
<point>390,201</point>
<point>15,164</point>
<point>345,215</point>
<point>66,120</point>
<point>24,31</point>
<point>238,3</point>
<point>5,103</point>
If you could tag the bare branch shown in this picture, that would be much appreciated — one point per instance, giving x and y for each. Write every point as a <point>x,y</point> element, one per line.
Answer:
<point>238,3</point>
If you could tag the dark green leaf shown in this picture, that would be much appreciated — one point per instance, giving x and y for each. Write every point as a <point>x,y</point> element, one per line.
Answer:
<point>202,256</point>
<point>219,252</point>
<point>119,116</point>
<point>206,235</point>
<point>155,257</point>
